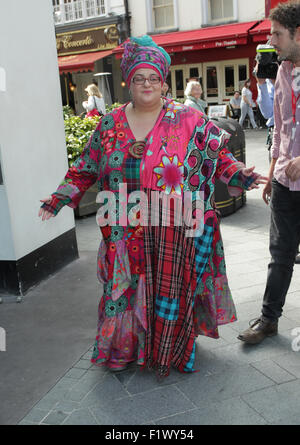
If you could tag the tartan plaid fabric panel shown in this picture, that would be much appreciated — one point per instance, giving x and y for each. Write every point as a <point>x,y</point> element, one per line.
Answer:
<point>189,367</point>
<point>170,276</point>
<point>203,246</point>
<point>132,174</point>
<point>167,308</point>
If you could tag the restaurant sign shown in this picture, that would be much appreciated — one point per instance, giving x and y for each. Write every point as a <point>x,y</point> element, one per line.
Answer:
<point>87,40</point>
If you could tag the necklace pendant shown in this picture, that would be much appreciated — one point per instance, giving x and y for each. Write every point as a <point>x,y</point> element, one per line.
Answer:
<point>137,149</point>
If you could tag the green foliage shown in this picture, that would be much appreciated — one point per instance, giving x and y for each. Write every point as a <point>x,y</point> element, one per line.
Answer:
<point>78,132</point>
<point>110,108</point>
<point>67,111</point>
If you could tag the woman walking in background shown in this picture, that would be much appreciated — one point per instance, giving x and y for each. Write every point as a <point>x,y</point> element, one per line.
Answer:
<point>95,104</point>
<point>247,105</point>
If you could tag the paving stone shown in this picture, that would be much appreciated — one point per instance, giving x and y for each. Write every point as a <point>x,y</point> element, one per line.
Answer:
<point>228,412</point>
<point>47,403</point>
<point>270,369</point>
<point>55,418</point>
<point>142,408</point>
<point>67,406</point>
<point>87,355</point>
<point>83,364</point>
<point>108,389</point>
<point>231,383</point>
<point>75,373</point>
<point>146,380</point>
<point>293,314</point>
<point>81,417</point>
<point>290,362</point>
<point>278,403</point>
<point>241,353</point>
<point>228,333</point>
<point>61,388</point>
<point>36,415</point>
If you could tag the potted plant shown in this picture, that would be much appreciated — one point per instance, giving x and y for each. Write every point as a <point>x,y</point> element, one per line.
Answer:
<point>78,132</point>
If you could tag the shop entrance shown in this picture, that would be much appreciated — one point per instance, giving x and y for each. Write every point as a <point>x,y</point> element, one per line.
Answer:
<point>219,80</point>
<point>180,75</point>
<point>222,79</point>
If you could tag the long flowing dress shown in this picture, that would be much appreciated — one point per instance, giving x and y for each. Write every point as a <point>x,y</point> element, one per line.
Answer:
<point>161,287</point>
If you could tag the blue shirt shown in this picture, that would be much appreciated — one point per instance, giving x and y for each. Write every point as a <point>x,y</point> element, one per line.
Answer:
<point>265,101</point>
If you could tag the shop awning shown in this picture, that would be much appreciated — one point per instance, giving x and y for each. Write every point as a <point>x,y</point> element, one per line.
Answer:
<point>80,62</point>
<point>261,32</point>
<point>203,38</point>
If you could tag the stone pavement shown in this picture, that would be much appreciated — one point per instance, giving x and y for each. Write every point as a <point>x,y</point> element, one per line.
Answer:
<point>236,384</point>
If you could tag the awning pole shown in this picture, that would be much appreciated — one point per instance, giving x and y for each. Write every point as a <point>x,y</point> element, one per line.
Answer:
<point>66,87</point>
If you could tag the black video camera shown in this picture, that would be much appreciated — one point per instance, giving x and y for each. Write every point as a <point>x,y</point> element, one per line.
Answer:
<point>267,60</point>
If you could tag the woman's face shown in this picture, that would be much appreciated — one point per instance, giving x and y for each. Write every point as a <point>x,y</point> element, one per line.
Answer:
<point>148,93</point>
<point>196,91</point>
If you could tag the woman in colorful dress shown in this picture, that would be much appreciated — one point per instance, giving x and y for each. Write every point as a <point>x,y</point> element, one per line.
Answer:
<point>162,287</point>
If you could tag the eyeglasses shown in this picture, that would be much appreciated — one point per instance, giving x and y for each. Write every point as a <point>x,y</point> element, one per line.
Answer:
<point>140,80</point>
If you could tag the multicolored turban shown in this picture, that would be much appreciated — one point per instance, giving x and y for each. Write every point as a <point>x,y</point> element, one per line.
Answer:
<point>142,52</point>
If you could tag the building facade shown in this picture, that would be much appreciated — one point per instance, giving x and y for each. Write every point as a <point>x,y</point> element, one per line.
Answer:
<point>207,39</point>
<point>87,31</point>
<point>212,40</point>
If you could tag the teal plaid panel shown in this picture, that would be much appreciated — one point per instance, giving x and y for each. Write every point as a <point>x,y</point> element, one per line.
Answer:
<point>132,174</point>
<point>189,367</point>
<point>203,246</point>
<point>167,308</point>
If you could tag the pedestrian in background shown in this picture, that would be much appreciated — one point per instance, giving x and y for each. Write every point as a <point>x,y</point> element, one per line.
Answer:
<point>193,93</point>
<point>235,103</point>
<point>247,105</point>
<point>95,104</point>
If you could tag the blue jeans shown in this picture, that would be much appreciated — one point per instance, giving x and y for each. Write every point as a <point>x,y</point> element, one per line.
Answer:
<point>284,241</point>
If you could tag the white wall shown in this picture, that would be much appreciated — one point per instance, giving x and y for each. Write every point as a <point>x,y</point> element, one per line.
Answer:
<point>138,12</point>
<point>116,6</point>
<point>33,153</point>
<point>254,10</point>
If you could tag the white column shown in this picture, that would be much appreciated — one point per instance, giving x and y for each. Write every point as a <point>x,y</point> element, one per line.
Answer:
<point>32,141</point>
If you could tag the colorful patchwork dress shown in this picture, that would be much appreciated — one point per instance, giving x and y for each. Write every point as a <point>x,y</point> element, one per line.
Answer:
<point>161,287</point>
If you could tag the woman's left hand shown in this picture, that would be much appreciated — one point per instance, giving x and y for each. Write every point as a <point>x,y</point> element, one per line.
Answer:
<point>258,180</point>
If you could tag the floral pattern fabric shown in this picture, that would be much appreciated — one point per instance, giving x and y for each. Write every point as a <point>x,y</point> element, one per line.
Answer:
<point>161,288</point>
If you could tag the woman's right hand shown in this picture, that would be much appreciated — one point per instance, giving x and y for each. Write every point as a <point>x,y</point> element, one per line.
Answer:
<point>43,213</point>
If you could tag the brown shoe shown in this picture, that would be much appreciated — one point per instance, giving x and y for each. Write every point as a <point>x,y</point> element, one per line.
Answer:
<point>258,331</point>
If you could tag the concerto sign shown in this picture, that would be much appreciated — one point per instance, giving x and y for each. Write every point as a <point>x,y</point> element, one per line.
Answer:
<point>87,40</point>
